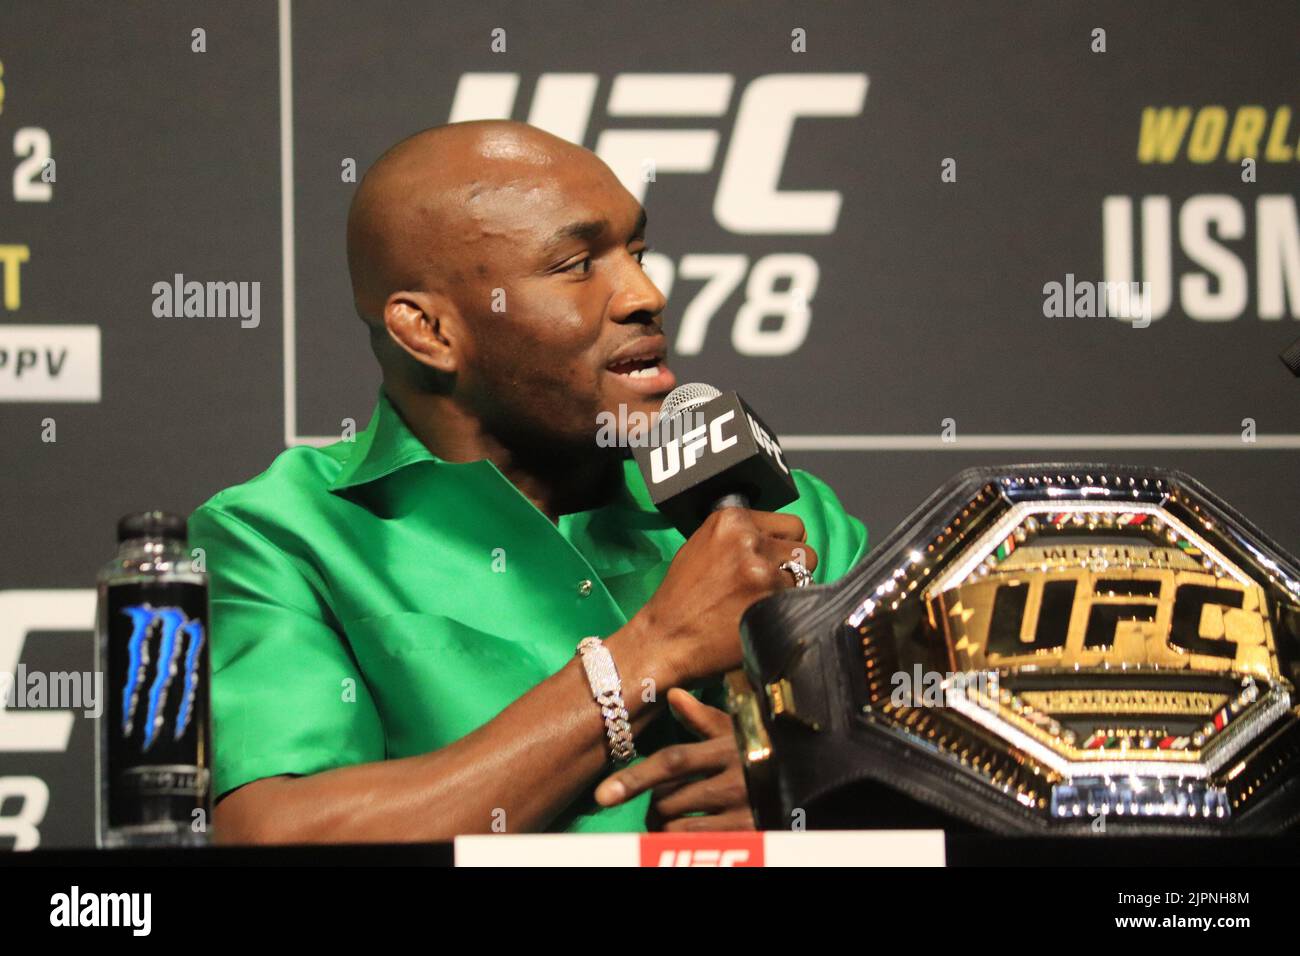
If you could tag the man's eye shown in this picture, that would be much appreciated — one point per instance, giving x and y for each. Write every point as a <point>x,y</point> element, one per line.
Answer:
<point>640,254</point>
<point>583,266</point>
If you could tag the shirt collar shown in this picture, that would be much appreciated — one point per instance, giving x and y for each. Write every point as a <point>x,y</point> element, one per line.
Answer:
<point>387,445</point>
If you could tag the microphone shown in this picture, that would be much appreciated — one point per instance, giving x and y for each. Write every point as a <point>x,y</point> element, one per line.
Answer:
<point>709,450</point>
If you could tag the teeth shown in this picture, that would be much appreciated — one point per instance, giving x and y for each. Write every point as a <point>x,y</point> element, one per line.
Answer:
<point>642,372</point>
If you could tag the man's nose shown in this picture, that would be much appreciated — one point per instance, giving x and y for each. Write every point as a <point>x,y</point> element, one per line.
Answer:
<point>637,298</point>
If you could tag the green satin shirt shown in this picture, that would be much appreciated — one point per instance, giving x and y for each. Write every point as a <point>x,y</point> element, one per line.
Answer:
<point>370,600</point>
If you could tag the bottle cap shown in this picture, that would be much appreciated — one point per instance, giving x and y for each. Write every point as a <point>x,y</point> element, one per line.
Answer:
<point>152,524</point>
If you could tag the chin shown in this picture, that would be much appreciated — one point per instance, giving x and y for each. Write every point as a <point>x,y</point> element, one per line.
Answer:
<point>619,420</point>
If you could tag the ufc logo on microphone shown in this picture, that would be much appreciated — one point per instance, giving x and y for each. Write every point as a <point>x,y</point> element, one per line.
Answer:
<point>747,201</point>
<point>684,451</point>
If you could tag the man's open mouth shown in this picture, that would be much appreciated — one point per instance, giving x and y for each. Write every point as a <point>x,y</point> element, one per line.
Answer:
<point>642,366</point>
<point>636,368</point>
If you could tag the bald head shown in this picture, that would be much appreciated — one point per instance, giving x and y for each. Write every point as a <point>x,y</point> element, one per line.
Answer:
<point>424,204</point>
<point>499,270</point>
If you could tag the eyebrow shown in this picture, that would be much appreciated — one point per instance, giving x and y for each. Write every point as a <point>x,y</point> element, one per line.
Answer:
<point>591,229</point>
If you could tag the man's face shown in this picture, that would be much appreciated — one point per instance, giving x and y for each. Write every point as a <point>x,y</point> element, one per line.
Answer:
<point>564,323</point>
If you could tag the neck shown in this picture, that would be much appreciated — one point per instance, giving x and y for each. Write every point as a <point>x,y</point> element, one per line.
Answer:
<point>557,480</point>
<point>560,483</point>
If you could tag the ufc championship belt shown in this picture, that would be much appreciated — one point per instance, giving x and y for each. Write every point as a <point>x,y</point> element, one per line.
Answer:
<point>1036,649</point>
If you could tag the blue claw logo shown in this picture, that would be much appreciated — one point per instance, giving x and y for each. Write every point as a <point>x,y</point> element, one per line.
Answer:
<point>180,635</point>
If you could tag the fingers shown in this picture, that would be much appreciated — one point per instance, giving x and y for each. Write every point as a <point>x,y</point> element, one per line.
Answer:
<point>768,524</point>
<point>668,764</point>
<point>706,721</point>
<point>775,525</point>
<point>739,819</point>
<point>805,554</point>
<point>721,793</point>
<point>778,551</point>
<point>769,538</point>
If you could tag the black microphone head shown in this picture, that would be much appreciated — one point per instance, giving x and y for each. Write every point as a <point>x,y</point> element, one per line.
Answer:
<point>705,446</point>
<point>1290,358</point>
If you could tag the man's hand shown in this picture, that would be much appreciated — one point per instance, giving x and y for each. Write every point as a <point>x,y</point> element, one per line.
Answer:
<point>689,778</point>
<point>691,623</point>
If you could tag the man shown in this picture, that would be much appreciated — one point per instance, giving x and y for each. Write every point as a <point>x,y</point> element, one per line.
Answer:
<point>394,619</point>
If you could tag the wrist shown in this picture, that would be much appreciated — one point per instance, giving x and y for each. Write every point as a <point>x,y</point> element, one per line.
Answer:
<point>641,658</point>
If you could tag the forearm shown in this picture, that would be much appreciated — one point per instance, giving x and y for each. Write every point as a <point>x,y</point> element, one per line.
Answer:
<point>519,770</point>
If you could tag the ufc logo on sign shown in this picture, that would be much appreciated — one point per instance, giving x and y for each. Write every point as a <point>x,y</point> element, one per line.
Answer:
<point>24,798</point>
<point>748,201</point>
<point>702,849</point>
<point>704,858</point>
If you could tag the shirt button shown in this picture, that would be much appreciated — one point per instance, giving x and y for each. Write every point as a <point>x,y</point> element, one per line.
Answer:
<point>584,587</point>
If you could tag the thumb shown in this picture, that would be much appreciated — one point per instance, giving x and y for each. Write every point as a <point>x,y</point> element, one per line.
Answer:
<point>708,722</point>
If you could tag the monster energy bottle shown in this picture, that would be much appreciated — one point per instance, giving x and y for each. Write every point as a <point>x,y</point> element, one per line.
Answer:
<point>153,748</point>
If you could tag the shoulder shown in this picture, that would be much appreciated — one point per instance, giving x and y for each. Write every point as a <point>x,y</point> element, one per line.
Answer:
<point>816,501</point>
<point>297,475</point>
<point>295,485</point>
<point>261,537</point>
<point>812,486</point>
<point>839,538</point>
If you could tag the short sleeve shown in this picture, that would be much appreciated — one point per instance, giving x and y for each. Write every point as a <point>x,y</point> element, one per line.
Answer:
<point>839,538</point>
<point>287,696</point>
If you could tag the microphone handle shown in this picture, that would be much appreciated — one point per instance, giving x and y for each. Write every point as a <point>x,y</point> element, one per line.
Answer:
<point>731,501</point>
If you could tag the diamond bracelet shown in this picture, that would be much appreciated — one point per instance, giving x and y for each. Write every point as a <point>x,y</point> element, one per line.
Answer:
<point>607,691</point>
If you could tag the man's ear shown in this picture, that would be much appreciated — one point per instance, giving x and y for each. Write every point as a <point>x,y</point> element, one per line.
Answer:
<point>426,326</point>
